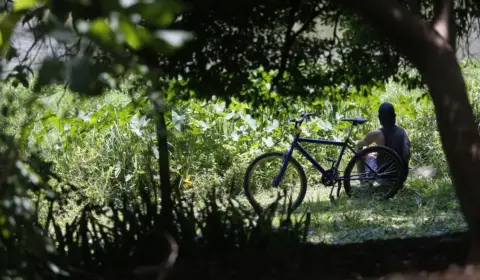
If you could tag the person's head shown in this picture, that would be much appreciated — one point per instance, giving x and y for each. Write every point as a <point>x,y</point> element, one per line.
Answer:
<point>386,114</point>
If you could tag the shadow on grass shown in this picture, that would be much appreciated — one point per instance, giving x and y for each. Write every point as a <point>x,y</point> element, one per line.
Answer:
<point>421,208</point>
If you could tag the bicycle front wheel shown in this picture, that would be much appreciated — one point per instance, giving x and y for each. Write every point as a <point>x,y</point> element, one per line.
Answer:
<point>376,171</point>
<point>259,177</point>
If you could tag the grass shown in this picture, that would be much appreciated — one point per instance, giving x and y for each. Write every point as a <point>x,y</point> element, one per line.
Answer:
<point>424,207</point>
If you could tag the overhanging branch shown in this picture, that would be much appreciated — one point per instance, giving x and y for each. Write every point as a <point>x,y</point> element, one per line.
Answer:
<point>290,38</point>
<point>335,36</point>
<point>443,21</point>
<point>287,45</point>
<point>399,25</point>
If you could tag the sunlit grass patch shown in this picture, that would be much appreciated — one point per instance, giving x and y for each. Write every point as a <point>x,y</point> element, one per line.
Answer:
<point>422,208</point>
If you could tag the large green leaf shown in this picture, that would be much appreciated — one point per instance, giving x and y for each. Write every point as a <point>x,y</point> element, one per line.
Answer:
<point>8,21</point>
<point>19,5</point>
<point>159,13</point>
<point>102,33</point>
<point>135,36</point>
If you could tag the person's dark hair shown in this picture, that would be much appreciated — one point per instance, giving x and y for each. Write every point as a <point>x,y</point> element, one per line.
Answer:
<point>386,115</point>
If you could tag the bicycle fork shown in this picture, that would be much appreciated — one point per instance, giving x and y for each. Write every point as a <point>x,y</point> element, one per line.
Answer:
<point>286,157</point>
<point>278,178</point>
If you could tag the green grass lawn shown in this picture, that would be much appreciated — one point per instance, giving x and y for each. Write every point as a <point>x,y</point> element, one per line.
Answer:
<point>423,207</point>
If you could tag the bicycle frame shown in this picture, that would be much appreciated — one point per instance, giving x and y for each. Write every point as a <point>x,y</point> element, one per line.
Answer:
<point>296,145</point>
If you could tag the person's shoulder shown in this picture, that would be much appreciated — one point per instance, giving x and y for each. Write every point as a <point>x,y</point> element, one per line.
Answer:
<point>403,130</point>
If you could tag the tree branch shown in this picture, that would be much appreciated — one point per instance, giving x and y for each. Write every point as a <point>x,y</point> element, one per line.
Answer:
<point>400,26</point>
<point>290,38</point>
<point>335,36</point>
<point>444,21</point>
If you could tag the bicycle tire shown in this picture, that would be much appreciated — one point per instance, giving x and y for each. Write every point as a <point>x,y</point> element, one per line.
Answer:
<point>395,156</point>
<point>292,160</point>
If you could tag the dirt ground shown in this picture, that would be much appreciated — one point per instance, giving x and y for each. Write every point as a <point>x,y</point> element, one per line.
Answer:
<point>408,258</point>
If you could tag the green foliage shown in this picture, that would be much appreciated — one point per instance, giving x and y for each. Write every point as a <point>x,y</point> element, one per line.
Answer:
<point>104,147</point>
<point>93,153</point>
<point>211,142</point>
<point>24,249</point>
<point>114,239</point>
<point>118,240</point>
<point>309,47</point>
<point>109,28</point>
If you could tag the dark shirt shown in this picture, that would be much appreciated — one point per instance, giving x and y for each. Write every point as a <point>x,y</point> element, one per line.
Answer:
<point>396,139</point>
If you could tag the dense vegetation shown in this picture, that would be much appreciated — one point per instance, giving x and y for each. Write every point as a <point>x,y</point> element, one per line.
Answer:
<point>95,187</point>
<point>105,146</point>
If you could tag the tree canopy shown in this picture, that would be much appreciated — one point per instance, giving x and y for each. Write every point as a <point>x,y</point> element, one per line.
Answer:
<point>306,46</point>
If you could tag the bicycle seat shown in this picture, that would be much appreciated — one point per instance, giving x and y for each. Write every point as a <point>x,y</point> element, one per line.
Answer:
<point>354,121</point>
<point>306,115</point>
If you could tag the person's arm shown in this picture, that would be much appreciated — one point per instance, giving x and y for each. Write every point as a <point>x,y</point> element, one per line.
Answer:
<point>371,137</point>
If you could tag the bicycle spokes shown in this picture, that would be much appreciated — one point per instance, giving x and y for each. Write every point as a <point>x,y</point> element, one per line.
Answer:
<point>269,184</point>
<point>375,174</point>
<point>278,179</point>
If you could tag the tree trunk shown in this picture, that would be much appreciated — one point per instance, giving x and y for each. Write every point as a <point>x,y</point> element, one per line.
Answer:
<point>166,203</point>
<point>429,50</point>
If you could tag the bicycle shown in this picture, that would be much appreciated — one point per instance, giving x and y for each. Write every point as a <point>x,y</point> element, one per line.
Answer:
<point>383,175</point>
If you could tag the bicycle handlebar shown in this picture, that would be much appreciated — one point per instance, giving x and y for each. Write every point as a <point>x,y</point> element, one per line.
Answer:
<point>303,117</point>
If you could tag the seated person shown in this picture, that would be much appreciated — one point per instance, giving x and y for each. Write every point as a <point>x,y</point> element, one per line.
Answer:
<point>390,135</point>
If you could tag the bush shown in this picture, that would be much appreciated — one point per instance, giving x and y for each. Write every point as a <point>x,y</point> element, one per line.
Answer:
<point>24,249</point>
<point>118,241</point>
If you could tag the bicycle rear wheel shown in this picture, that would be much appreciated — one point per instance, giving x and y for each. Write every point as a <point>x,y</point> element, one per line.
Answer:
<point>258,182</point>
<point>361,180</point>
